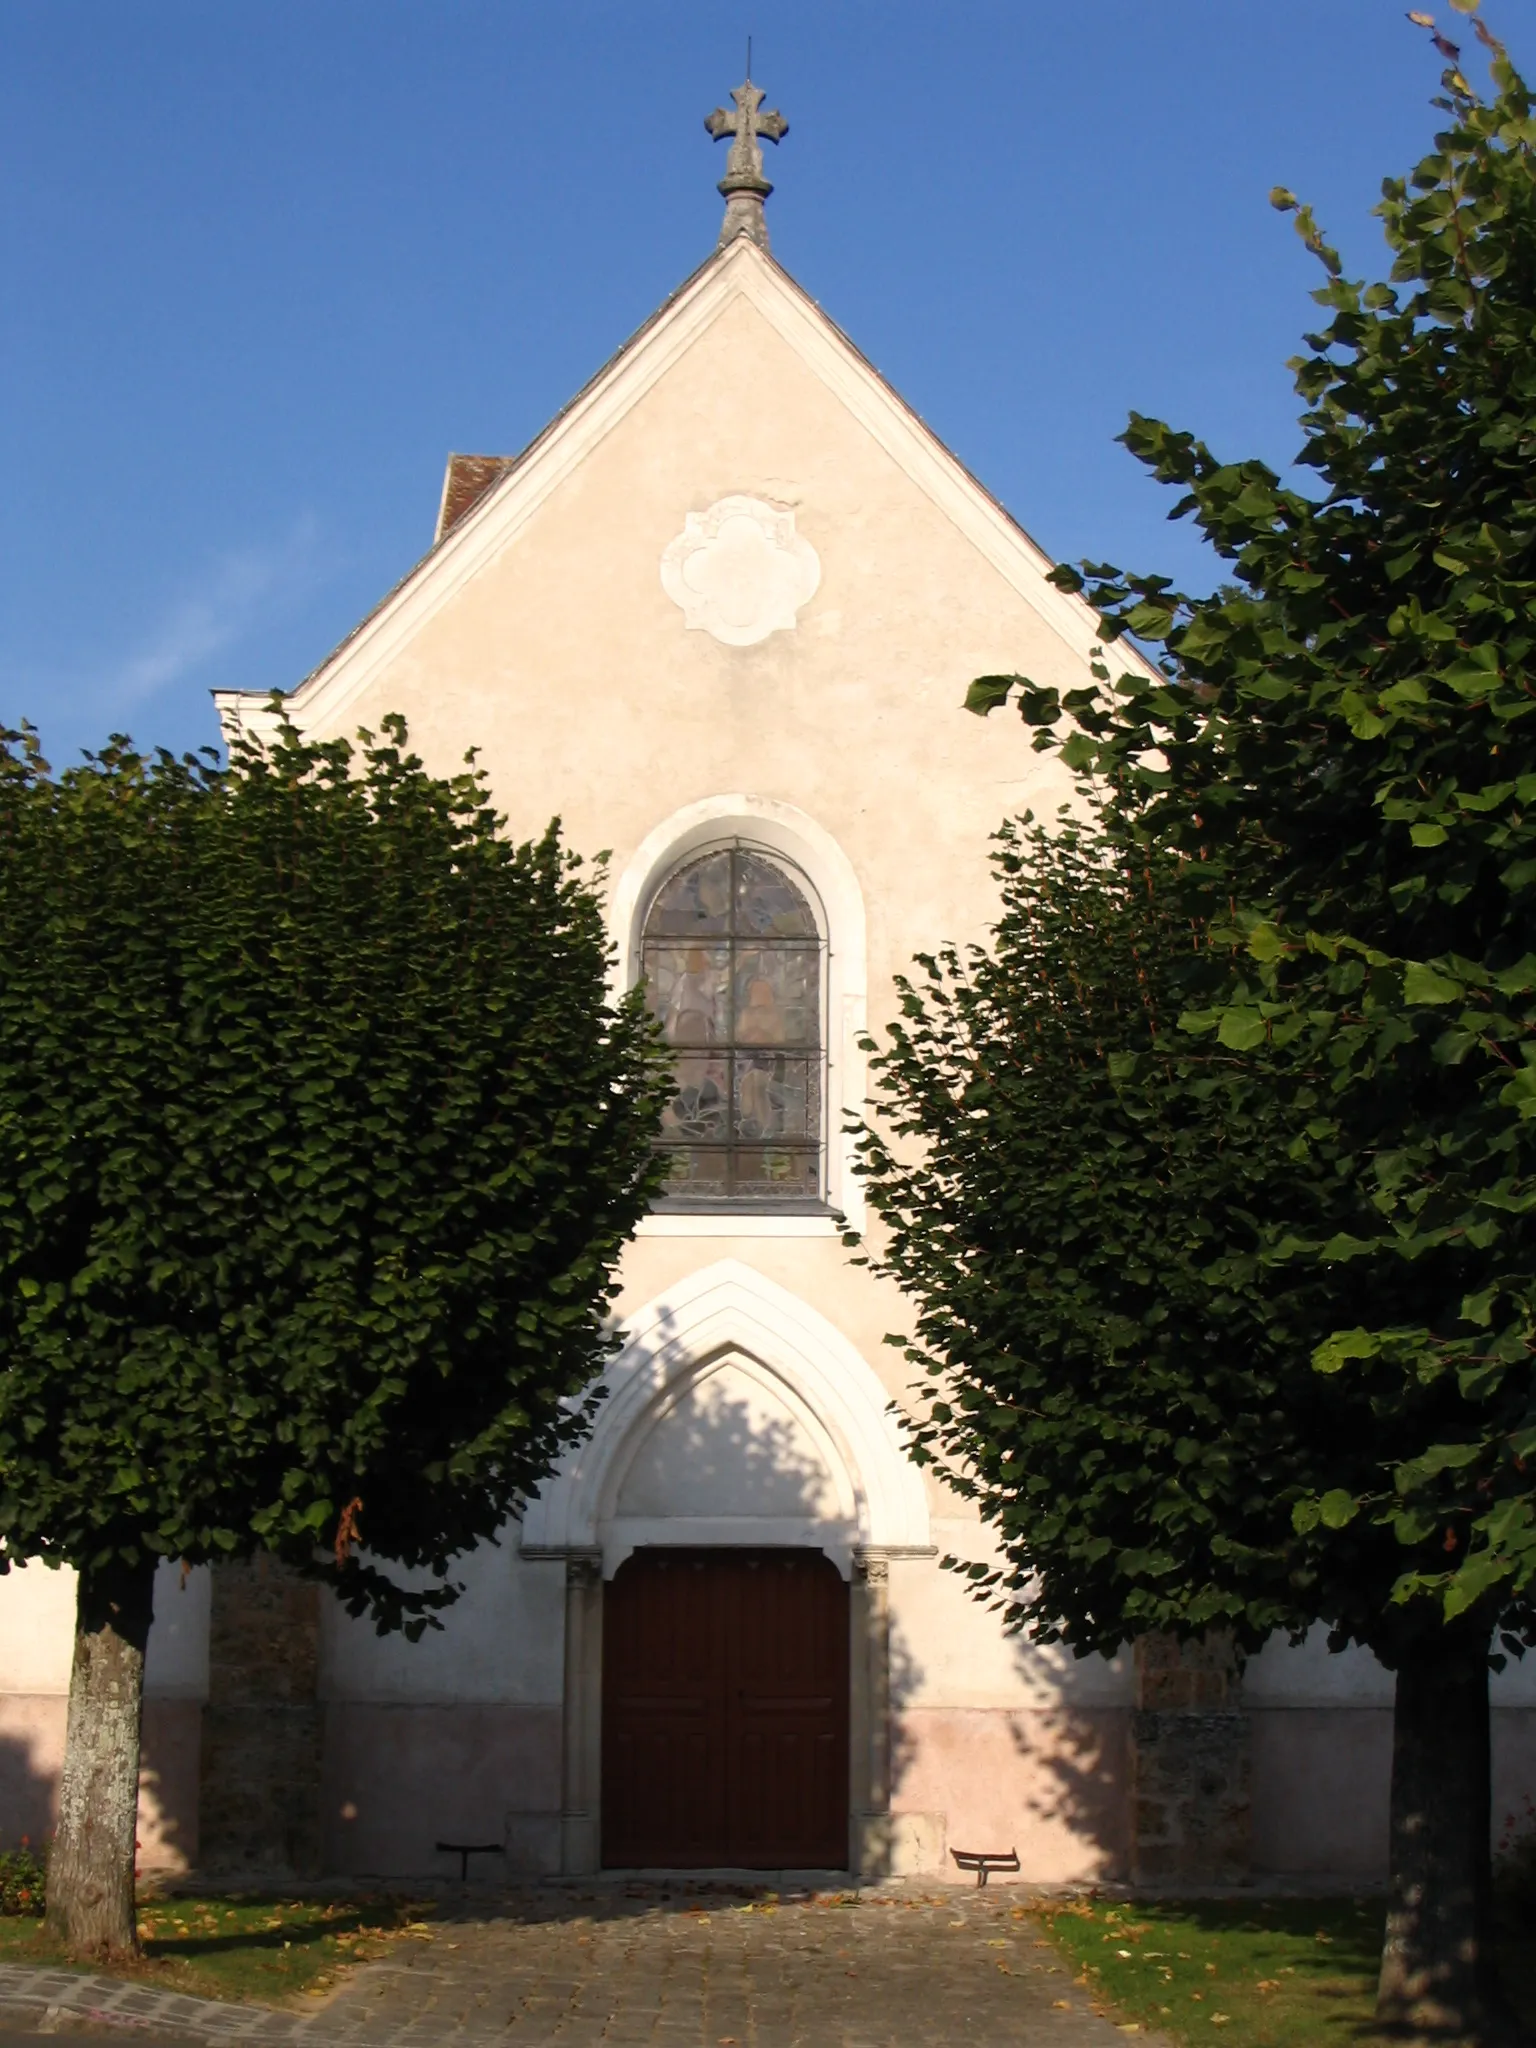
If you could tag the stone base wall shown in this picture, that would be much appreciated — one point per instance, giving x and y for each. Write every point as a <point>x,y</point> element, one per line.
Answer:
<point>263,1726</point>
<point>1192,1821</point>
<point>261,1790</point>
<point>1192,1796</point>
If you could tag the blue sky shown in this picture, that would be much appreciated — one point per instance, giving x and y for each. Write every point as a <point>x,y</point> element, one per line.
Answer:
<point>266,262</point>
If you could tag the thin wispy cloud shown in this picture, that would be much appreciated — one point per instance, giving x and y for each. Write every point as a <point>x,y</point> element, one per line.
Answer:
<point>216,623</point>
<point>241,589</point>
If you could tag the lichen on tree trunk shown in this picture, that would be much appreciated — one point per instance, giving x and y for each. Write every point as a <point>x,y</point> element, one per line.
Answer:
<point>1438,1978</point>
<point>90,1867</point>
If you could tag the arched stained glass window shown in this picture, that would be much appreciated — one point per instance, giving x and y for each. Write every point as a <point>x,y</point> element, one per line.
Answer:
<point>731,953</point>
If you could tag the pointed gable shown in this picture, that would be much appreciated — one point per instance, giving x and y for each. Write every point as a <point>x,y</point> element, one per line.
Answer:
<point>490,501</point>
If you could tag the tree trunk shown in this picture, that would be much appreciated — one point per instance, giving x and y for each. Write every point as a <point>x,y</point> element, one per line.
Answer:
<point>90,1867</point>
<point>1437,1970</point>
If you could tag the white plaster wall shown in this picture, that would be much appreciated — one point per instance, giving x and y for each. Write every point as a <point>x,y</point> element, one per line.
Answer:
<point>1308,1674</point>
<point>37,1624</point>
<point>853,718</point>
<point>176,1662</point>
<point>1515,1685</point>
<point>37,1631</point>
<point>949,1650</point>
<point>502,1642</point>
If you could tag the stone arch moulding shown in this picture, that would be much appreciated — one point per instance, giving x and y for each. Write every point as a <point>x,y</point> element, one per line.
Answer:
<point>730,1309</point>
<point>779,828</point>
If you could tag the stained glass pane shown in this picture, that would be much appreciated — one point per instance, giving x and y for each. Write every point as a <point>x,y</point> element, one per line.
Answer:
<point>776,1098</point>
<point>699,1173</point>
<point>690,989</point>
<point>776,995</point>
<point>697,1112</point>
<point>732,961</point>
<point>772,1174</point>
<point>768,905</point>
<point>696,901</point>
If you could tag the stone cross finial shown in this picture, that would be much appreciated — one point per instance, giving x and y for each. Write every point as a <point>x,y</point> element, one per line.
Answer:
<point>744,187</point>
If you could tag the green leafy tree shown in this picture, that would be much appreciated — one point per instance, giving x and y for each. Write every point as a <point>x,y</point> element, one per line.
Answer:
<point>1335,780</point>
<point>1091,1206</point>
<point>319,1140</point>
<point>1079,1196</point>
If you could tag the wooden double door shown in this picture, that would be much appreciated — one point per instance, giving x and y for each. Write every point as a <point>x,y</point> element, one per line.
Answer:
<point>725,1711</point>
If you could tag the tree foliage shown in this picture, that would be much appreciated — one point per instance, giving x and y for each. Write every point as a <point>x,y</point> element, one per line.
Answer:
<point>1222,1214</point>
<point>1081,1199</point>
<point>1342,746</point>
<point>318,1143</point>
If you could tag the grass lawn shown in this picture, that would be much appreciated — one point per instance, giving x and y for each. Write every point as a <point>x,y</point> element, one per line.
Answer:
<point>272,1951</point>
<point>1266,1973</point>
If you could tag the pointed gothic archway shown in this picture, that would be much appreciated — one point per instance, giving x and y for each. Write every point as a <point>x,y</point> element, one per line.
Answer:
<point>737,1418</point>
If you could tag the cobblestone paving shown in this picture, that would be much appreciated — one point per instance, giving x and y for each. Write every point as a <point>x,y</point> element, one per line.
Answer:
<point>648,1967</point>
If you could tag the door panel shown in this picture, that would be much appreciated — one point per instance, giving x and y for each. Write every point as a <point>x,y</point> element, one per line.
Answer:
<point>663,1734</point>
<point>725,1711</point>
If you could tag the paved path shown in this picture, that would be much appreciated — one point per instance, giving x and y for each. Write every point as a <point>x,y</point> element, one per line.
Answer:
<point>643,1966</point>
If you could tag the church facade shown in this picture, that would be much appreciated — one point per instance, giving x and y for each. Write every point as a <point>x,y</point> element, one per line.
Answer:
<point>719,617</point>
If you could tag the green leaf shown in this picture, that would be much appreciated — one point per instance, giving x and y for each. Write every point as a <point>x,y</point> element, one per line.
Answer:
<point>1519,1093</point>
<point>987,693</point>
<point>1038,706</point>
<point>1423,984</point>
<point>1336,1351</point>
<point>1337,1509</point>
<point>1265,943</point>
<point>1241,1029</point>
<point>1150,621</point>
<point>1478,1308</point>
<point>1439,1458</point>
<point>1475,672</point>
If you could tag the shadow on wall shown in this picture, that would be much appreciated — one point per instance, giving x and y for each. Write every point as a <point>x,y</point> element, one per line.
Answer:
<point>32,1756</point>
<point>27,1794</point>
<point>1024,1758</point>
<point>1079,1768</point>
<point>906,1685</point>
<point>729,1447</point>
<point>169,1757</point>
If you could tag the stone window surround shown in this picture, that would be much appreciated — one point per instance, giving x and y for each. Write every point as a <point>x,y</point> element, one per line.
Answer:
<point>782,829</point>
